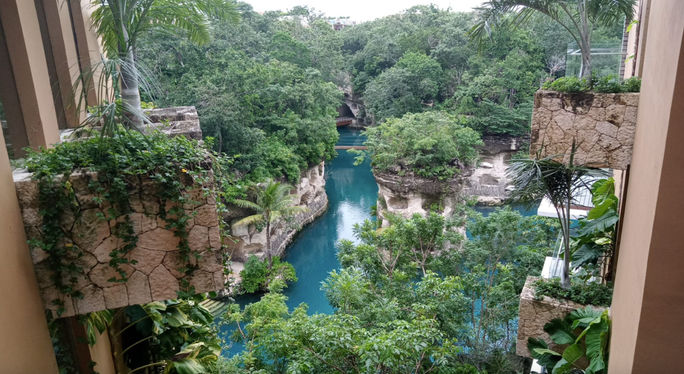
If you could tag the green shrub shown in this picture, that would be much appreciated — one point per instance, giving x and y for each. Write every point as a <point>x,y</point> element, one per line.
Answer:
<point>567,84</point>
<point>431,145</point>
<point>583,335</point>
<point>253,275</point>
<point>632,84</point>
<point>257,277</point>
<point>583,293</point>
<point>607,84</point>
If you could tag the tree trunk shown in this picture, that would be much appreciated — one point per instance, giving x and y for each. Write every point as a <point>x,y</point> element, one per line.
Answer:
<point>268,244</point>
<point>565,274</point>
<point>585,71</point>
<point>585,42</point>
<point>130,94</point>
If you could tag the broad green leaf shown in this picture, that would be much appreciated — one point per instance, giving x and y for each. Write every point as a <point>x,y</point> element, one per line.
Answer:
<point>543,351</point>
<point>573,353</point>
<point>562,367</point>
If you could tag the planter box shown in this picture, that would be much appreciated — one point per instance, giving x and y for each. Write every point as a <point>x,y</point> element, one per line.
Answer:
<point>155,275</point>
<point>602,125</point>
<point>534,314</point>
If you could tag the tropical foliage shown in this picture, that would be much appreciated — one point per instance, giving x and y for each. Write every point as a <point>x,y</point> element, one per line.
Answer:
<point>256,276</point>
<point>431,145</point>
<point>594,241</point>
<point>403,302</point>
<point>121,23</point>
<point>536,178</point>
<point>261,87</point>
<point>585,293</point>
<point>272,202</point>
<point>577,17</point>
<point>585,334</point>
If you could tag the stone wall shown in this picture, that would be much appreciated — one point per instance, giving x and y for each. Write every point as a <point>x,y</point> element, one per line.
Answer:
<point>180,120</point>
<point>602,124</point>
<point>153,273</point>
<point>246,240</point>
<point>407,195</point>
<point>534,314</point>
<point>488,182</point>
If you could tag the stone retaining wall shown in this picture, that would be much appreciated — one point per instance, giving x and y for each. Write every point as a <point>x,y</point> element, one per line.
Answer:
<point>155,274</point>
<point>246,240</point>
<point>602,124</point>
<point>534,314</point>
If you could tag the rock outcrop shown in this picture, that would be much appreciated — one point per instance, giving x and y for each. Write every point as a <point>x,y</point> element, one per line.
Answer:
<point>407,195</point>
<point>247,240</point>
<point>601,124</point>
<point>488,181</point>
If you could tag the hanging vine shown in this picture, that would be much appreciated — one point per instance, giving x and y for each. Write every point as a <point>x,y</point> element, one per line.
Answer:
<point>113,167</point>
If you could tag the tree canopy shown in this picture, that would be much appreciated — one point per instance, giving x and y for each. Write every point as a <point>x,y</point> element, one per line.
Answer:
<point>403,302</point>
<point>431,145</point>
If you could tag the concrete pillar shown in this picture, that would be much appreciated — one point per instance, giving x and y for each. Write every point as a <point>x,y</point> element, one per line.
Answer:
<point>88,45</point>
<point>648,303</point>
<point>58,21</point>
<point>29,66</point>
<point>25,345</point>
<point>16,133</point>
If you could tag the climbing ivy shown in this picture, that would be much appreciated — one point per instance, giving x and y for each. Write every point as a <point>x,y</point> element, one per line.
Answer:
<point>113,166</point>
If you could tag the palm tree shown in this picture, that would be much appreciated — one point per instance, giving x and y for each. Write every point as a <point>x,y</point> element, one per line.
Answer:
<point>578,17</point>
<point>273,202</point>
<point>534,179</point>
<point>121,23</point>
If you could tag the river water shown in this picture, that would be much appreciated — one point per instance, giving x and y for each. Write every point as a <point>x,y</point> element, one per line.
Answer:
<point>352,192</point>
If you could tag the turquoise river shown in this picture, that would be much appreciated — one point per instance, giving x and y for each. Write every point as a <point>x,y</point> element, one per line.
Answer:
<point>352,192</point>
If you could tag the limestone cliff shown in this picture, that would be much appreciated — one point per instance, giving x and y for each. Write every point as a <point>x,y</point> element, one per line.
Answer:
<point>407,195</point>
<point>246,240</point>
<point>488,181</point>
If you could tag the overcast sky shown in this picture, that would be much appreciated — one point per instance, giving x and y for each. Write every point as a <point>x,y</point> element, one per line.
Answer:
<point>361,10</point>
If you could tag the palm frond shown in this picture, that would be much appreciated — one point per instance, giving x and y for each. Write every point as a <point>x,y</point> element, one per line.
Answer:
<point>248,205</point>
<point>254,219</point>
<point>609,12</point>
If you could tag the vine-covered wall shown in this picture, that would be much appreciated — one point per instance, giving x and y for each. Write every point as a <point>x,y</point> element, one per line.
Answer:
<point>154,267</point>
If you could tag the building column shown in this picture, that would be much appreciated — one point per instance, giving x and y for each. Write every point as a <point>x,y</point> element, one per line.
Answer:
<point>25,345</point>
<point>648,302</point>
<point>58,20</point>
<point>29,67</point>
<point>88,45</point>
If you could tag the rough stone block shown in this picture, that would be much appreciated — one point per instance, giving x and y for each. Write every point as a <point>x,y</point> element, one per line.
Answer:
<point>115,296</point>
<point>163,284</point>
<point>601,124</point>
<point>155,275</point>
